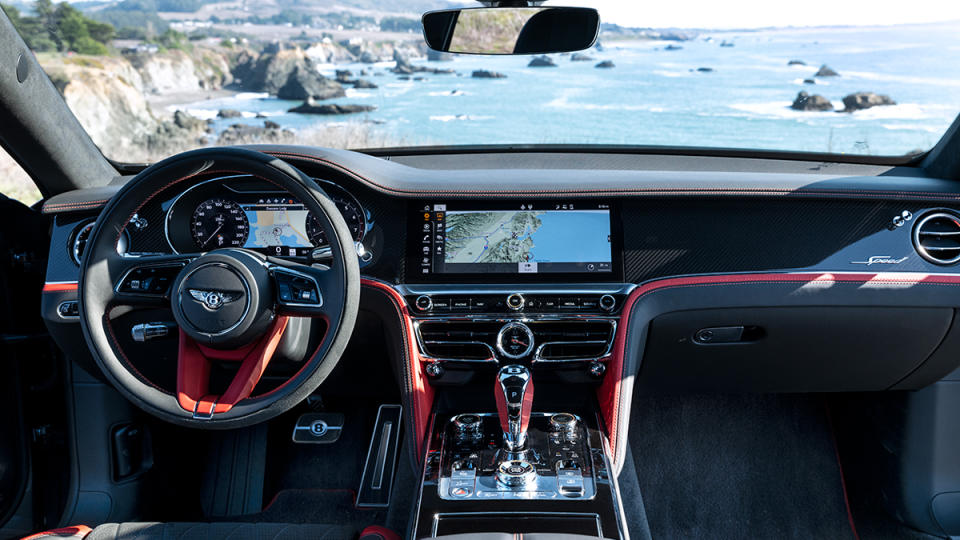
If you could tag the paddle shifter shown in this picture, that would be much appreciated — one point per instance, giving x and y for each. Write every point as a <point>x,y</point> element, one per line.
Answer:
<point>514,394</point>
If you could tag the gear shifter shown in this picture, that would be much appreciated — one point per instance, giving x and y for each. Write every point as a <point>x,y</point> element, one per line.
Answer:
<point>514,394</point>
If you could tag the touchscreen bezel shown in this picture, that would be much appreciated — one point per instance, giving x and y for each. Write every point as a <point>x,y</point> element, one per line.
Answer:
<point>413,273</point>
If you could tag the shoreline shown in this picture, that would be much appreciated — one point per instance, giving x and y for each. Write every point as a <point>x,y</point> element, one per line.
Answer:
<point>160,103</point>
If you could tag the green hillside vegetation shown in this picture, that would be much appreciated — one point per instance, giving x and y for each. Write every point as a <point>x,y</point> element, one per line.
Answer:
<point>60,27</point>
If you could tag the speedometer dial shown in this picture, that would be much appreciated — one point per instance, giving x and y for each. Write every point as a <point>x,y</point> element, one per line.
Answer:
<point>219,223</point>
<point>349,208</point>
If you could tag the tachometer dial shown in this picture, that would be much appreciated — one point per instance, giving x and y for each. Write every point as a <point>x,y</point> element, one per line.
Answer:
<point>351,211</point>
<point>219,223</point>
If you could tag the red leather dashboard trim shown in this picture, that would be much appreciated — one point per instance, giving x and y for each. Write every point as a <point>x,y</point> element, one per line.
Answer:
<point>60,286</point>
<point>421,393</point>
<point>74,531</point>
<point>608,393</point>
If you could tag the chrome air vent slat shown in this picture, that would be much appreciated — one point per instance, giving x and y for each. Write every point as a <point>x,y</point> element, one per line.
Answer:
<point>936,238</point>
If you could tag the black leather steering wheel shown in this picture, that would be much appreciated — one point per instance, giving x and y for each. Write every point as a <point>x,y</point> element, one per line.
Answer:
<point>230,304</point>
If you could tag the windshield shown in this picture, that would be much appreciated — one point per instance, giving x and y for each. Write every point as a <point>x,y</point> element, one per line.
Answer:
<point>148,78</point>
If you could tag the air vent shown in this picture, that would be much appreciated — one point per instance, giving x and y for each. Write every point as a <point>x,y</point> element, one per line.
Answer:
<point>458,340</point>
<point>937,238</point>
<point>564,341</point>
<point>80,242</point>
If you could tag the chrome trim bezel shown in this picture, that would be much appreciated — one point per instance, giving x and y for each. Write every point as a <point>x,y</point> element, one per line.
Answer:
<point>123,243</point>
<point>916,238</point>
<point>523,328</point>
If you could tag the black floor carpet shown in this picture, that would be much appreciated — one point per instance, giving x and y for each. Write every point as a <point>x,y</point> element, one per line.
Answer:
<point>745,466</point>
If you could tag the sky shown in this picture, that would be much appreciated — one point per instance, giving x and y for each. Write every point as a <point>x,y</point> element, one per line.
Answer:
<point>718,14</point>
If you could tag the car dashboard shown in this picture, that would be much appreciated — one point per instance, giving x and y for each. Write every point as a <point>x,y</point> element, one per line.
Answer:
<point>615,273</point>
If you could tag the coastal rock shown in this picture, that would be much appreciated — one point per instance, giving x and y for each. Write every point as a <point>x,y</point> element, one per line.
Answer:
<point>859,101</point>
<point>807,102</point>
<point>229,113</point>
<point>796,63</point>
<point>181,71</point>
<point>344,75</point>
<point>726,43</point>
<point>581,57</point>
<point>303,84</point>
<point>542,61</point>
<point>244,134</point>
<point>672,47</point>
<point>269,124</point>
<point>403,67</point>
<point>273,70</point>
<point>190,123</point>
<point>705,69</point>
<point>606,64</point>
<point>367,57</point>
<point>310,107</point>
<point>809,81</point>
<point>361,83</point>
<point>486,74</point>
<point>826,71</point>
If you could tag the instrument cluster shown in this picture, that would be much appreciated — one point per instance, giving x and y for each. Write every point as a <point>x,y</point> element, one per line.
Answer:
<point>241,212</point>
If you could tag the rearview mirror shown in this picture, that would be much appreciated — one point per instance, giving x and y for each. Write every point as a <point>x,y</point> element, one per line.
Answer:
<point>511,30</point>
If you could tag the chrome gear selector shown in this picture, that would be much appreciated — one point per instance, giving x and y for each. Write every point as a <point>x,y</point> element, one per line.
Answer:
<point>514,395</point>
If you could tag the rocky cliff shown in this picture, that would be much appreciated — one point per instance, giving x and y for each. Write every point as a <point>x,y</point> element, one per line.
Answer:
<point>181,71</point>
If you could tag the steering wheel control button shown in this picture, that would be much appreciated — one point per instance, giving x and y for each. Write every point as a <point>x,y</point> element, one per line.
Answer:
<point>147,331</point>
<point>295,289</point>
<point>318,428</point>
<point>608,302</point>
<point>424,303</point>
<point>149,280</point>
<point>515,340</point>
<point>515,301</point>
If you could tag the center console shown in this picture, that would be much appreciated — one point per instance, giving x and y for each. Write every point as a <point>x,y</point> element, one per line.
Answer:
<point>517,470</point>
<point>500,295</point>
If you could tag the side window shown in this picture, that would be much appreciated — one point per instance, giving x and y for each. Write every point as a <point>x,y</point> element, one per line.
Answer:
<point>15,183</point>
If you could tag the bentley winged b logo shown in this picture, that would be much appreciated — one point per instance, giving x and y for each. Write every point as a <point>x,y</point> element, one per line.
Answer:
<point>214,299</point>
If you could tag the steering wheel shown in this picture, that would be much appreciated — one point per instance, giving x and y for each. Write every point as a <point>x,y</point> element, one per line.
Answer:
<point>231,305</point>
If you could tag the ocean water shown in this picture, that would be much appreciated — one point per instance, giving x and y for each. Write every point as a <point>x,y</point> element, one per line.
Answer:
<point>657,97</point>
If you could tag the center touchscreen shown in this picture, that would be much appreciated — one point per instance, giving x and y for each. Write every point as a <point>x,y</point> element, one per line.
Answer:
<point>539,238</point>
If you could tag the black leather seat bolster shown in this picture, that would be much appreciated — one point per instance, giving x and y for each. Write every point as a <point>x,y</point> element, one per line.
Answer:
<point>219,531</point>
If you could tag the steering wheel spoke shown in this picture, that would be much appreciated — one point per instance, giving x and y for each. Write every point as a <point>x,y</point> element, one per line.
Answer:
<point>144,281</point>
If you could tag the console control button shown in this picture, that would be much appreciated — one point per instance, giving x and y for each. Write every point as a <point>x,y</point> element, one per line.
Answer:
<point>589,303</point>
<point>516,473</point>
<point>441,303</point>
<point>564,423</point>
<point>608,302</point>
<point>424,303</point>
<point>569,303</point>
<point>480,304</point>
<point>515,301</point>
<point>460,304</point>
